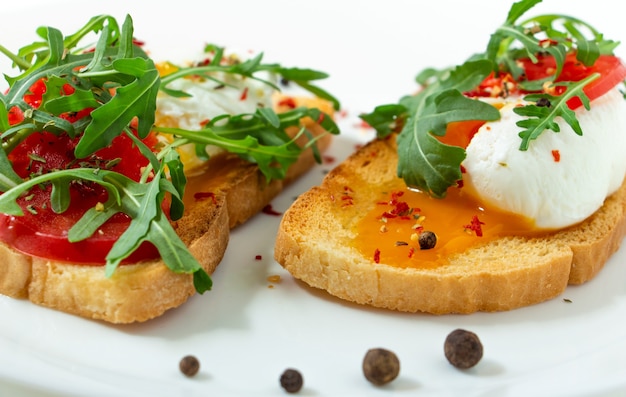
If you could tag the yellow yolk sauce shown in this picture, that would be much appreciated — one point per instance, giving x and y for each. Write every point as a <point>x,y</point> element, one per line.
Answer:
<point>389,232</point>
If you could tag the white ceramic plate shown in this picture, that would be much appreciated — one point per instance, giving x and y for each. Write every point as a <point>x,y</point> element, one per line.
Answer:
<point>245,333</point>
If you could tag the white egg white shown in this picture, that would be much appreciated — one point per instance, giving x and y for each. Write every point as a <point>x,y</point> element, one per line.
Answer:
<point>562,178</point>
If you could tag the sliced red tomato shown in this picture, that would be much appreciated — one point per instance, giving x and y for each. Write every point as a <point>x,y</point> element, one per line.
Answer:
<point>611,69</point>
<point>495,86</point>
<point>43,233</point>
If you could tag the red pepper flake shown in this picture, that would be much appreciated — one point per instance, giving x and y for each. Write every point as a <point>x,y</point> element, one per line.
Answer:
<point>475,226</point>
<point>346,197</point>
<point>556,155</point>
<point>204,195</point>
<point>364,124</point>
<point>244,94</point>
<point>320,119</point>
<point>258,257</point>
<point>402,208</point>
<point>270,211</point>
<point>459,183</point>
<point>289,102</point>
<point>328,159</point>
<point>411,252</point>
<point>395,196</point>
<point>204,122</point>
<point>377,255</point>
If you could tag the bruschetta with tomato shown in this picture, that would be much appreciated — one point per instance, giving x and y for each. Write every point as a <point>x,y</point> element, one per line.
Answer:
<point>120,178</point>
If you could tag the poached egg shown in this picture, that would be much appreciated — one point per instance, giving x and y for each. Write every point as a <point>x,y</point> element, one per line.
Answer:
<point>208,98</point>
<point>562,178</point>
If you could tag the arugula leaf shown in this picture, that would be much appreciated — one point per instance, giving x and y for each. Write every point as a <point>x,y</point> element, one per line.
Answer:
<point>303,78</point>
<point>541,118</point>
<point>8,199</point>
<point>137,99</point>
<point>178,182</point>
<point>256,137</point>
<point>426,163</point>
<point>8,178</point>
<point>56,103</point>
<point>60,195</point>
<point>386,119</point>
<point>92,220</point>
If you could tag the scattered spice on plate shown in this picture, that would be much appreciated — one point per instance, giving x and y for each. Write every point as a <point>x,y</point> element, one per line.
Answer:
<point>189,365</point>
<point>269,210</point>
<point>463,349</point>
<point>275,278</point>
<point>380,366</point>
<point>291,380</point>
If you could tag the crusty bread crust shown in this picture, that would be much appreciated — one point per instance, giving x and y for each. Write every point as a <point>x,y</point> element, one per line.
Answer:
<point>139,292</point>
<point>136,292</point>
<point>314,245</point>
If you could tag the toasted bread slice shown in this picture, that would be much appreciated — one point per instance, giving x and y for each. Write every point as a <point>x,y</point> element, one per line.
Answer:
<point>139,292</point>
<point>314,245</point>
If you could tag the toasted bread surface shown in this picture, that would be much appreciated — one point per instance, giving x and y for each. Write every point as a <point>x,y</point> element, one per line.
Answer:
<point>139,292</point>
<point>314,245</point>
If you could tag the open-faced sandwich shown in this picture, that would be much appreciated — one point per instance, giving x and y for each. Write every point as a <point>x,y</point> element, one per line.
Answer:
<point>121,178</point>
<point>496,185</point>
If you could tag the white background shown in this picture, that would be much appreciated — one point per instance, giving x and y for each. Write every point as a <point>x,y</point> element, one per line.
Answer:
<point>244,333</point>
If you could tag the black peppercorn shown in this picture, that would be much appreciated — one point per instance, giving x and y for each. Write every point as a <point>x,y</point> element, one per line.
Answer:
<point>427,240</point>
<point>543,102</point>
<point>463,349</point>
<point>291,380</point>
<point>189,365</point>
<point>380,366</point>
